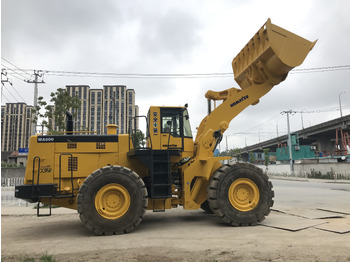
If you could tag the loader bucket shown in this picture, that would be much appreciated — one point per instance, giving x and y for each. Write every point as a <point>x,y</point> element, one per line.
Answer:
<point>269,56</point>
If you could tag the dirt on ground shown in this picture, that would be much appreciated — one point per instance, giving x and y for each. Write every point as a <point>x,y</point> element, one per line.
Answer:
<point>176,235</point>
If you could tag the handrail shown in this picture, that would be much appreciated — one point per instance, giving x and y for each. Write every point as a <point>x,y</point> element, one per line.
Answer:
<point>36,157</point>
<point>134,130</point>
<point>71,169</point>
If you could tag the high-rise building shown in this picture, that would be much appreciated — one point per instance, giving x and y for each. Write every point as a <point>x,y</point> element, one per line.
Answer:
<point>95,110</point>
<point>16,126</point>
<point>114,104</point>
<point>82,118</point>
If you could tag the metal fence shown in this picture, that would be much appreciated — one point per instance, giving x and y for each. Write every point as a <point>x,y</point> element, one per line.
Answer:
<point>11,181</point>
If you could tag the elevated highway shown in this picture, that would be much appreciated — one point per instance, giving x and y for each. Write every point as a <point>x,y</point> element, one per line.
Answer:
<point>322,136</point>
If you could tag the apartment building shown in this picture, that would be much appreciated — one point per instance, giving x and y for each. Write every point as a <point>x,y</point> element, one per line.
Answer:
<point>113,104</point>
<point>16,126</point>
<point>82,119</point>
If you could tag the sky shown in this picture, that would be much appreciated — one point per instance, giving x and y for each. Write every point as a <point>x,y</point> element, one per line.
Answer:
<point>179,37</point>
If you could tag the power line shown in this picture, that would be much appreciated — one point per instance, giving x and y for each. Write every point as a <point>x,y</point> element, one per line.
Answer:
<point>8,80</point>
<point>14,65</point>
<point>252,133</point>
<point>14,74</point>
<point>19,94</point>
<point>63,73</point>
<point>130,75</point>
<point>321,69</point>
<point>191,75</point>
<point>324,110</point>
<point>273,119</point>
<point>10,93</point>
<point>8,100</point>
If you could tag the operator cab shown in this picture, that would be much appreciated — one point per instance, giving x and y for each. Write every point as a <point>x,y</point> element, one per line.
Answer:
<point>169,128</point>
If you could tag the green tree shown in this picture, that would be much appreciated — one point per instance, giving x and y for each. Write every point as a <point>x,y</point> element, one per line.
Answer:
<point>62,102</point>
<point>36,110</point>
<point>237,153</point>
<point>266,154</point>
<point>251,158</point>
<point>138,139</point>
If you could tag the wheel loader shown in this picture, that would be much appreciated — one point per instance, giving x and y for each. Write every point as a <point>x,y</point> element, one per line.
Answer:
<point>111,180</point>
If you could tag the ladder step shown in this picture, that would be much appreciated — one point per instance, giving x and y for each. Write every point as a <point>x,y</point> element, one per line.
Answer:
<point>159,173</point>
<point>160,161</point>
<point>38,209</point>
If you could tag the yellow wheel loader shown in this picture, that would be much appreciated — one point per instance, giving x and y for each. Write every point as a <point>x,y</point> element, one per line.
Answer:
<point>111,180</point>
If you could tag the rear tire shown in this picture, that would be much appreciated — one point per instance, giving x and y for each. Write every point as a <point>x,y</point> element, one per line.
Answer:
<point>240,194</point>
<point>112,200</point>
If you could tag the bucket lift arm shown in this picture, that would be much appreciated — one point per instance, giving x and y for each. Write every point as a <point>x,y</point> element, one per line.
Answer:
<point>263,63</point>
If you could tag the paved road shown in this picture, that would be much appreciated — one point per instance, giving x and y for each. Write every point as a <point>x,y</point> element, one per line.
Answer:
<point>312,193</point>
<point>180,235</point>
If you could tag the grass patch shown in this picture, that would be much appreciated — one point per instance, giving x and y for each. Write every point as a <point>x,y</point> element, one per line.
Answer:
<point>45,257</point>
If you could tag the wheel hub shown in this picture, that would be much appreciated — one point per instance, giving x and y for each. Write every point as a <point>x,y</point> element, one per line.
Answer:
<point>244,194</point>
<point>112,201</point>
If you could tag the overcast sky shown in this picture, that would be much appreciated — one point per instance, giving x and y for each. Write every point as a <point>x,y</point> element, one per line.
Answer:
<point>179,37</point>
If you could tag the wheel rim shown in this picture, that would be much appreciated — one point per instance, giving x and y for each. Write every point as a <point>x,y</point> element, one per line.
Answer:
<point>244,194</point>
<point>112,201</point>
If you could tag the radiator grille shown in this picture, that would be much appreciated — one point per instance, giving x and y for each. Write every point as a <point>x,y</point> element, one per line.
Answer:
<point>100,145</point>
<point>72,145</point>
<point>72,164</point>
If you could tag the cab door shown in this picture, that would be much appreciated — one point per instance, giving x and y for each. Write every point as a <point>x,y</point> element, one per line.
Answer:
<point>171,129</point>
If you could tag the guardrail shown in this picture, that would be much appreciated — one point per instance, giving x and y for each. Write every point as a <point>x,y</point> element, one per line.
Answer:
<point>11,181</point>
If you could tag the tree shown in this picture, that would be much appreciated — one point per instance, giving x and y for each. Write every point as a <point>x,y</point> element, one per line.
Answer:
<point>62,102</point>
<point>138,139</point>
<point>251,158</point>
<point>36,110</point>
<point>266,154</point>
<point>237,153</point>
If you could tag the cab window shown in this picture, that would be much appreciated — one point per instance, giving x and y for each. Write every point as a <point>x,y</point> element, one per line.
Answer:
<point>186,123</point>
<point>171,121</point>
<point>176,122</point>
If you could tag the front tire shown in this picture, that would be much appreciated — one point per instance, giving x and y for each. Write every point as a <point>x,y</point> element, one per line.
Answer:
<point>240,194</point>
<point>112,200</point>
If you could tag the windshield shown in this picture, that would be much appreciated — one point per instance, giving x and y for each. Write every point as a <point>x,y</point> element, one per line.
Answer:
<point>176,122</point>
<point>187,126</point>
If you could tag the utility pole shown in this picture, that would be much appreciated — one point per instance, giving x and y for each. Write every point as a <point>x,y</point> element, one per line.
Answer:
<point>4,79</point>
<point>341,113</point>
<point>302,119</point>
<point>37,74</point>
<point>289,140</point>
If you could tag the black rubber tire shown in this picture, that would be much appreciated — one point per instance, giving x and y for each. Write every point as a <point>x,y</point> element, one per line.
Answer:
<point>205,206</point>
<point>109,175</point>
<point>218,198</point>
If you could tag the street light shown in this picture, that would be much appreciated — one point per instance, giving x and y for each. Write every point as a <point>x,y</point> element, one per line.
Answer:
<point>341,113</point>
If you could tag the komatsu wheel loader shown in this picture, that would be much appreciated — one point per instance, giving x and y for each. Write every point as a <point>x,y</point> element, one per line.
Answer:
<point>111,181</point>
